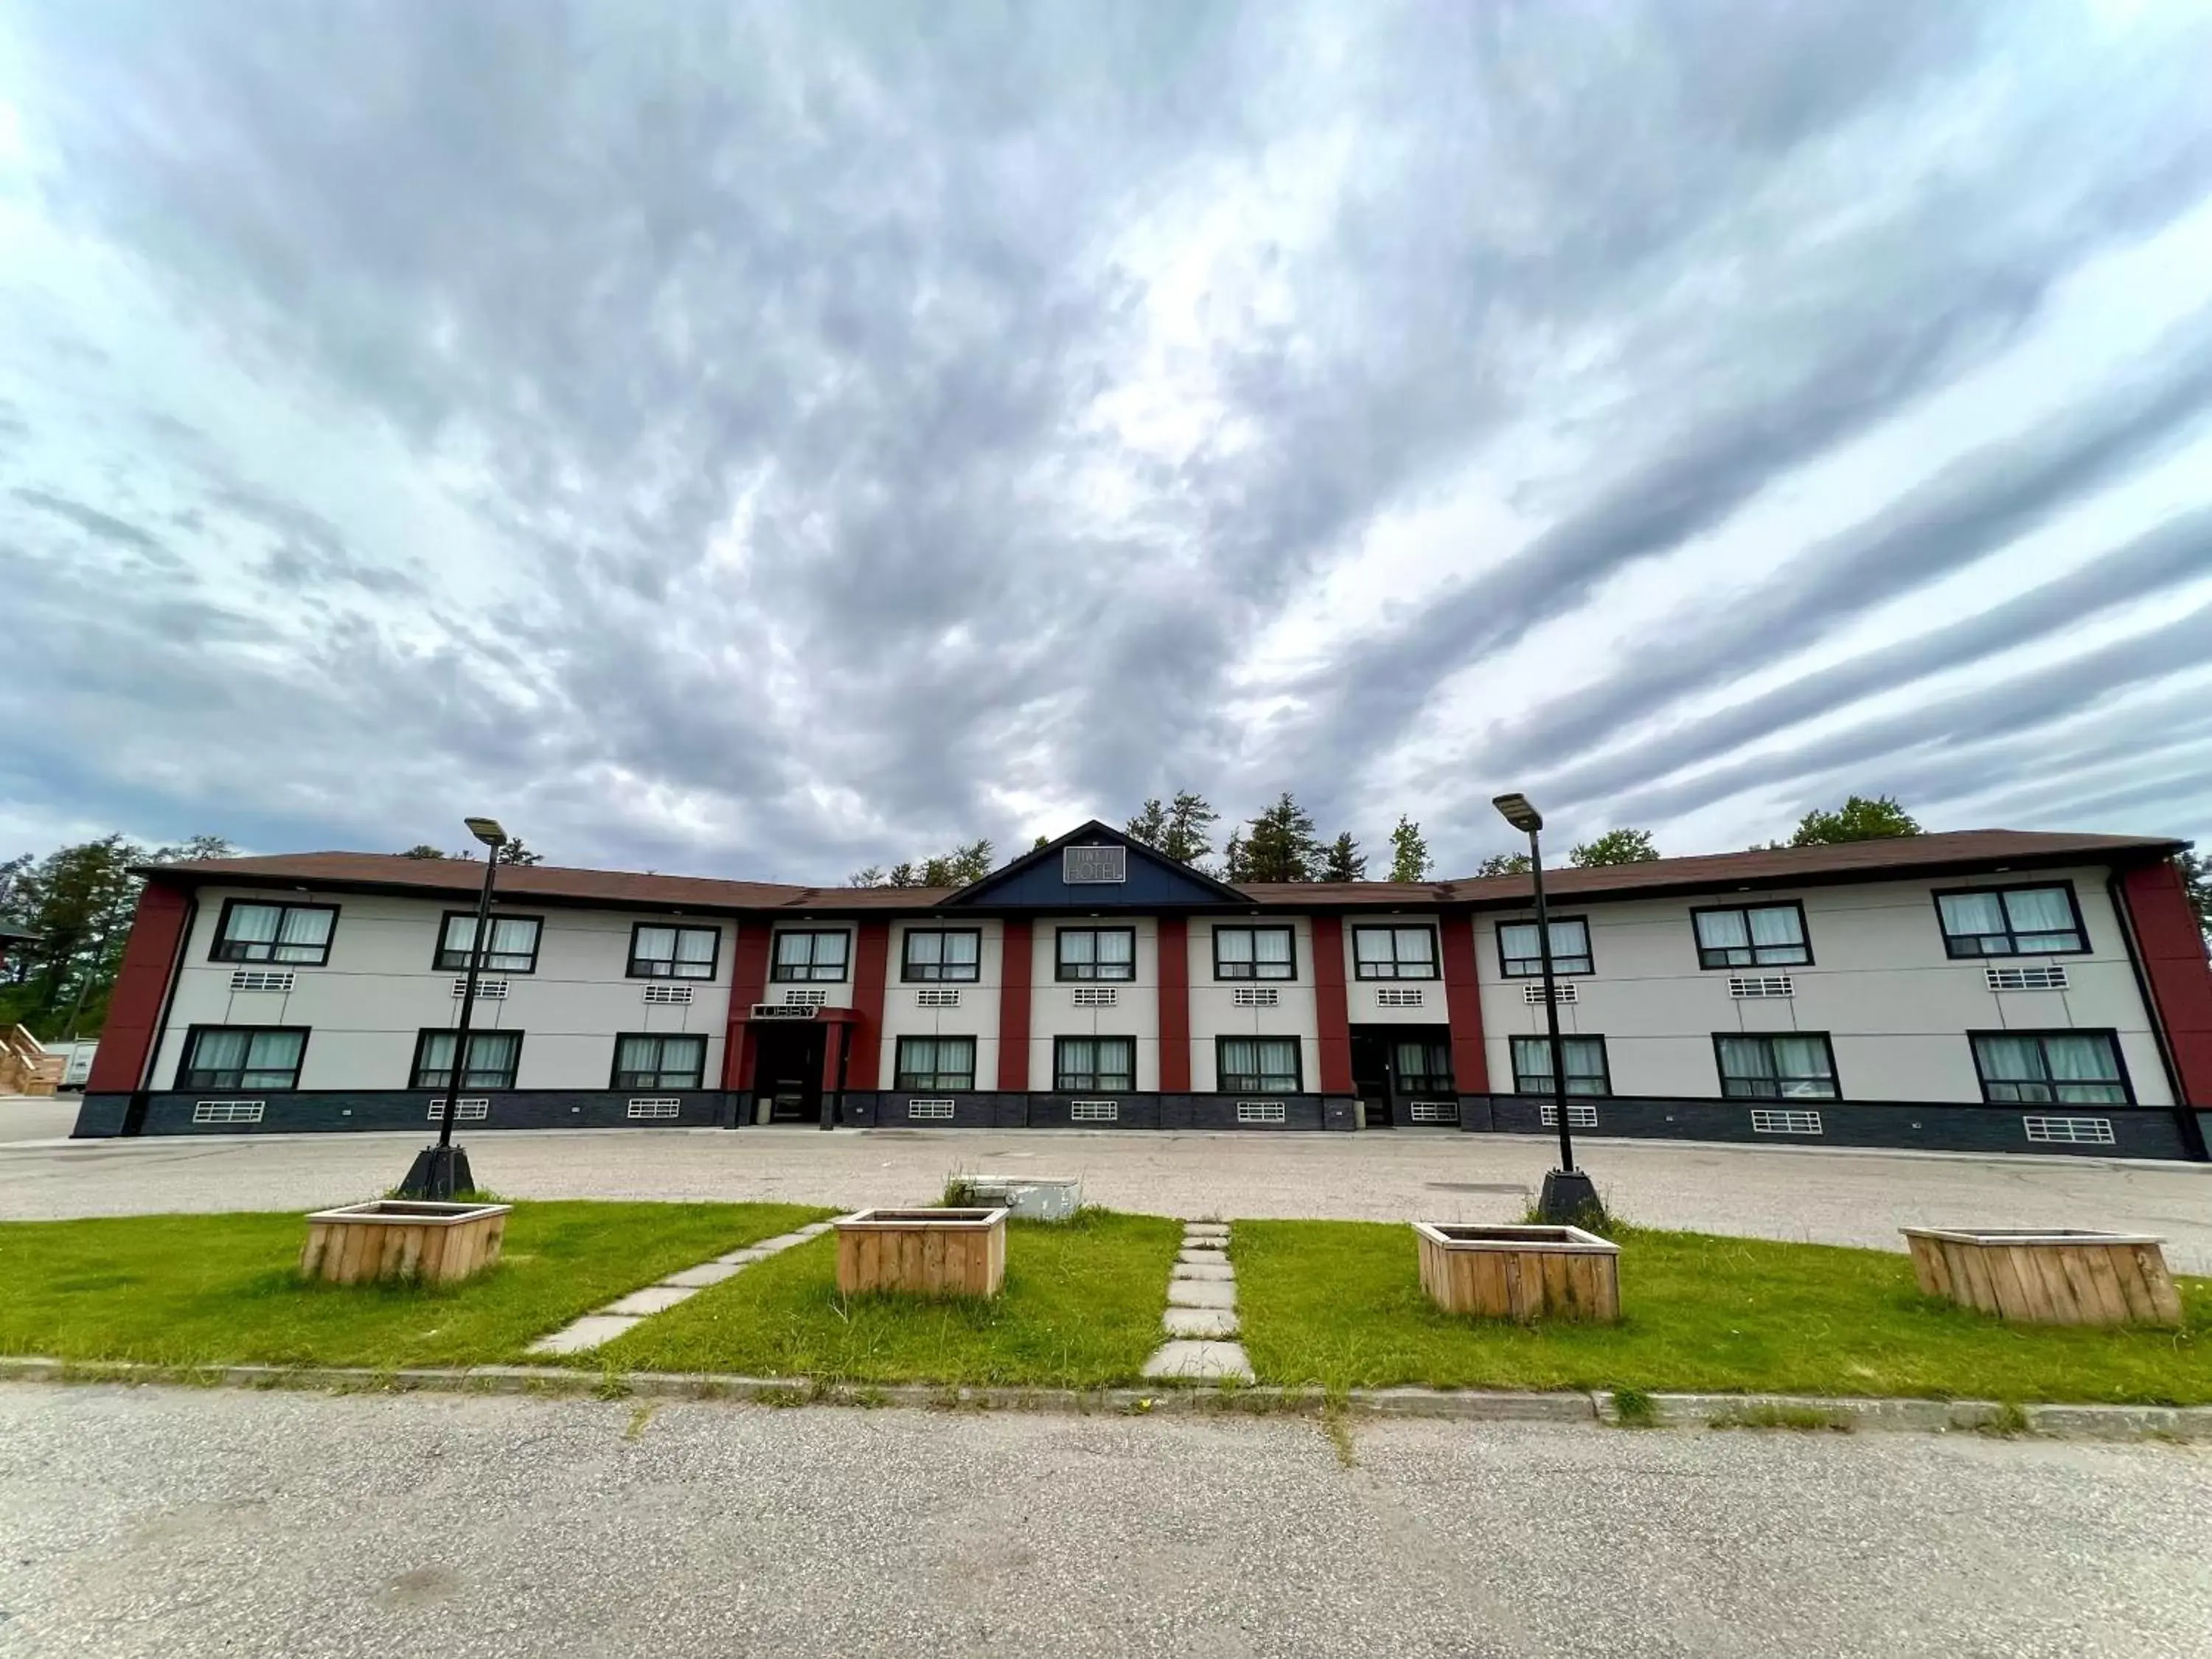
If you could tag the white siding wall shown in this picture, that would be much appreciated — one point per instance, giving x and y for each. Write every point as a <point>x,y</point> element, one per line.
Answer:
<point>367,1006</point>
<point>1367,1008</point>
<point>1214,1012</point>
<point>1135,1013</point>
<point>977,1016</point>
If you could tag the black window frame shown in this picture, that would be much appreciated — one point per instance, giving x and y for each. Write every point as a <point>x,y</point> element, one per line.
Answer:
<point>1543,1042</point>
<point>1061,966</point>
<point>2042,1034</point>
<point>1827,1043</point>
<point>1950,939</point>
<point>1804,935</point>
<point>908,964</point>
<point>218,947</point>
<point>192,1047</point>
<point>616,1074</point>
<point>422,1040</point>
<point>439,962</point>
<point>713,963</point>
<point>1297,1072</point>
<point>1252,974</point>
<point>1359,970</point>
<point>776,975</point>
<point>905,1082</point>
<point>1426,1082</point>
<point>1588,958</point>
<point>1062,1083</point>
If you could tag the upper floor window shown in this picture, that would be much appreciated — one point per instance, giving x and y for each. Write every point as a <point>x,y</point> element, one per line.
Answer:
<point>1520,952</point>
<point>1799,1066</point>
<point>1585,1058</point>
<point>667,952</point>
<point>938,1062</point>
<point>1394,952</point>
<point>1082,1063</point>
<point>655,1059</point>
<point>242,1057</point>
<point>511,948</point>
<point>1751,936</point>
<point>1096,953</point>
<point>1253,953</point>
<point>493,1058</point>
<point>2004,921</point>
<point>252,931</point>
<point>942,955</point>
<point>1256,1066</point>
<point>2073,1068</point>
<point>810,956</point>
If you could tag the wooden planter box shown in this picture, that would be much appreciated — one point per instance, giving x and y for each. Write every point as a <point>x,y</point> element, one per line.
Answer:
<point>2047,1276</point>
<point>1520,1273</point>
<point>922,1251</point>
<point>402,1238</point>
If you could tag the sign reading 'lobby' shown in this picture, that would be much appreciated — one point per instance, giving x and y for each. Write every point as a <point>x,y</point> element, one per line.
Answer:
<point>1093,864</point>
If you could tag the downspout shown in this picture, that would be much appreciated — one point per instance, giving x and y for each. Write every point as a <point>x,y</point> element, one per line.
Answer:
<point>2192,1137</point>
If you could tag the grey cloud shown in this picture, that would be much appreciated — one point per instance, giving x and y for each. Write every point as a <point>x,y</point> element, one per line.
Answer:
<point>94,522</point>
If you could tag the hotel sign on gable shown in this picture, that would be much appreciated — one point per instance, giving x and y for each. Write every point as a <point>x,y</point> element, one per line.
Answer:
<point>1080,865</point>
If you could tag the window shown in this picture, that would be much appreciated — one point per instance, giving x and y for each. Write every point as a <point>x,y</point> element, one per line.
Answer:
<point>1394,952</point>
<point>949,954</point>
<point>1520,956</point>
<point>2004,921</point>
<point>1253,953</point>
<point>658,951</point>
<point>1083,1063</point>
<point>653,1060</point>
<point>1423,1066</point>
<point>254,932</point>
<point>1801,1066</point>
<point>242,1057</point>
<point>810,956</point>
<point>493,1056</point>
<point>1751,936</point>
<point>2078,1068</point>
<point>1585,1057</point>
<point>1096,953</point>
<point>939,1062</point>
<point>512,949</point>
<point>1256,1066</point>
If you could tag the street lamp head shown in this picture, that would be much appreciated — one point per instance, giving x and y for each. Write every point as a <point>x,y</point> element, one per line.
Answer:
<point>1518,811</point>
<point>486,830</point>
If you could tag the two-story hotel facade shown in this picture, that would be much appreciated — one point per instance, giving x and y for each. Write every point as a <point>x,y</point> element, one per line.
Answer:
<point>1983,990</point>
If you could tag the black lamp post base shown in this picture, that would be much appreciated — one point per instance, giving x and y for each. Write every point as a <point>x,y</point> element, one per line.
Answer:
<point>1570,1198</point>
<point>438,1173</point>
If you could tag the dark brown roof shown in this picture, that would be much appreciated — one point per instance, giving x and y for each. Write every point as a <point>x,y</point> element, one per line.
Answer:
<point>1952,851</point>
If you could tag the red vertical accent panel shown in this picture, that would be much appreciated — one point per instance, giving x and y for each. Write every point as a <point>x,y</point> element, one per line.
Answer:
<point>1463,998</point>
<point>1175,1006</point>
<point>748,985</point>
<point>150,959</point>
<point>1014,966</point>
<point>2174,962</point>
<point>871,965</point>
<point>1331,1007</point>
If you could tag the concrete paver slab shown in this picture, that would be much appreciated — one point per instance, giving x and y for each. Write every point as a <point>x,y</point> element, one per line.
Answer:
<point>1200,1362</point>
<point>1201,1294</point>
<point>1219,1272</point>
<point>1200,1321</point>
<point>589,1332</point>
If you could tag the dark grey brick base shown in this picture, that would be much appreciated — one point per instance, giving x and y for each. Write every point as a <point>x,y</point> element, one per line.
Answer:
<point>310,1110</point>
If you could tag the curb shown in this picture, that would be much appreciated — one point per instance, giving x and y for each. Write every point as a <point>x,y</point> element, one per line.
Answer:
<point>1808,1413</point>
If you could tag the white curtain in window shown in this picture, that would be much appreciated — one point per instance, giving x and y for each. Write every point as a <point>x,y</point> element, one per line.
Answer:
<point>491,1059</point>
<point>1416,947</point>
<point>1569,939</point>
<point>2081,1059</point>
<point>2046,911</point>
<point>962,949</point>
<point>305,927</point>
<point>1972,913</point>
<point>1116,948</point>
<point>219,1051</point>
<point>2010,1060</point>
<point>1240,1056</point>
<point>655,944</point>
<point>1272,947</point>
<point>513,936</point>
<point>1801,1065</point>
<point>695,952</point>
<point>253,924</point>
<point>1372,945</point>
<point>1722,930</point>
<point>272,1059</point>
<point>638,1054</point>
<point>1743,1057</point>
<point>1233,944</point>
<point>1777,925</point>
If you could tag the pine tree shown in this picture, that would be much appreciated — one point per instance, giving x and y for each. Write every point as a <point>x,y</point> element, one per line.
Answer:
<point>1409,852</point>
<point>1235,867</point>
<point>1149,826</point>
<point>1343,860</point>
<point>1282,844</point>
<point>1190,819</point>
<point>512,851</point>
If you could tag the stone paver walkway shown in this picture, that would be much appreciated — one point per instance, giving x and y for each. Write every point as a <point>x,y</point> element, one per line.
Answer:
<point>611,1321</point>
<point>1200,1321</point>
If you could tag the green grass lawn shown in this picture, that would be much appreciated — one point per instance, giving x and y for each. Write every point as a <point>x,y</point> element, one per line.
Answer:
<point>1340,1305</point>
<point>1081,1307</point>
<point>222,1288</point>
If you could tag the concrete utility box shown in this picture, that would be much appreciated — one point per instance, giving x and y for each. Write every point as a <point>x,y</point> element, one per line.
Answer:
<point>1033,1198</point>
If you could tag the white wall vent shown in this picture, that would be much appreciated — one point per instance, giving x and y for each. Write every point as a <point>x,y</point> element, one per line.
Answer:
<point>488,990</point>
<point>1432,1111</point>
<point>2044,976</point>
<point>261,978</point>
<point>1752,987</point>
<point>937,998</point>
<point>467,1109</point>
<point>1080,865</point>
<point>795,999</point>
<point>2070,1131</point>
<point>1094,1111</point>
<point>929,1109</point>
<point>1259,1111</point>
<point>1097,996</point>
<point>228,1111</point>
<point>678,994</point>
<point>1398,996</point>
<point>1256,996</point>
<point>1581,1115</point>
<point>1775,1121</point>
<point>1562,991</point>
<point>655,1106</point>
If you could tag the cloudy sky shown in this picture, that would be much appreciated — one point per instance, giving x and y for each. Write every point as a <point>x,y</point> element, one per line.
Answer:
<point>767,439</point>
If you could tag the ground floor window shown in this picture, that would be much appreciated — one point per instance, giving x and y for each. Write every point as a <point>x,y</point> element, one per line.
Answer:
<point>939,1062</point>
<point>1080,1064</point>
<point>1423,1064</point>
<point>1586,1068</point>
<point>493,1057</point>
<point>1796,1065</point>
<point>656,1060</point>
<point>2079,1068</point>
<point>242,1057</point>
<point>1257,1066</point>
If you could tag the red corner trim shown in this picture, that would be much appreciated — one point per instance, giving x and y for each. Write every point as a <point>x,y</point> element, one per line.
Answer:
<point>871,958</point>
<point>2173,960</point>
<point>1463,1000</point>
<point>1331,1008</point>
<point>1015,962</point>
<point>748,985</point>
<point>150,958</point>
<point>1175,1006</point>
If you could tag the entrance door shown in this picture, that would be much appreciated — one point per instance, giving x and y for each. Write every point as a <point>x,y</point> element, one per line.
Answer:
<point>1370,1074</point>
<point>1403,1074</point>
<point>787,1071</point>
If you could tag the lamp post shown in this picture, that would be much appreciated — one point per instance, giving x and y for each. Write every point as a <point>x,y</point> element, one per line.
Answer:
<point>439,1171</point>
<point>1568,1192</point>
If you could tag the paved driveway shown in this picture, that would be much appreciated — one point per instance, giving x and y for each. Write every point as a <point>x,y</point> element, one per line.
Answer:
<point>1836,1197</point>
